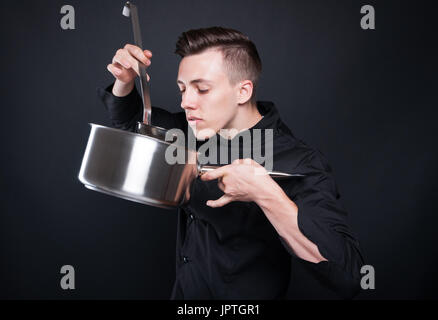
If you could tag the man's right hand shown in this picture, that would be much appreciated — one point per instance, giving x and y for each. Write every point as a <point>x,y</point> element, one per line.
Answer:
<point>124,68</point>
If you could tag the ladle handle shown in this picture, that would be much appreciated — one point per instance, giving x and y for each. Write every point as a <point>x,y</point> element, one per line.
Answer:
<point>274,174</point>
<point>130,10</point>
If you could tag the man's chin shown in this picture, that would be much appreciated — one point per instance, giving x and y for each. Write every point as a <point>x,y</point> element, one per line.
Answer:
<point>203,133</point>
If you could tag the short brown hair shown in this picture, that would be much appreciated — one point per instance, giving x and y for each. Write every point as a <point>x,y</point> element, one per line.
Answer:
<point>240,55</point>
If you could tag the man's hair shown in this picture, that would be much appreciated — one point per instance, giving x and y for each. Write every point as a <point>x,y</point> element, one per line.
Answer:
<point>240,55</point>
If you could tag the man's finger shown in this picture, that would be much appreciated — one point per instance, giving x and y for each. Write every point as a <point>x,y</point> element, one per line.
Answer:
<point>244,161</point>
<point>126,61</point>
<point>215,174</point>
<point>138,53</point>
<point>221,185</point>
<point>225,199</point>
<point>114,70</point>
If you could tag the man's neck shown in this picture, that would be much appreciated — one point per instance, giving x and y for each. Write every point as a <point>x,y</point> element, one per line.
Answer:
<point>247,117</point>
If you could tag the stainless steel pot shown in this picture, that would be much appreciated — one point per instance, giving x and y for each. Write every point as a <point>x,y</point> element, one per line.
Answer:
<point>133,166</point>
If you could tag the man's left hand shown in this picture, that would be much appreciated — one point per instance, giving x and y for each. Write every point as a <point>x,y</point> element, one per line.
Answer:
<point>243,180</point>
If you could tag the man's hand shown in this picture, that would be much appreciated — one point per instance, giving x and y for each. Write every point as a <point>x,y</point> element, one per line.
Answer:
<point>243,180</point>
<point>124,68</point>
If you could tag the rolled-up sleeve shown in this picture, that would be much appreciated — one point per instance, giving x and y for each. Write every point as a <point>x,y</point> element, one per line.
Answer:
<point>323,220</point>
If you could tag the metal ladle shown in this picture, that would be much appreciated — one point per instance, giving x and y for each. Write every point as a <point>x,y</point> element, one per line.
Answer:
<point>145,127</point>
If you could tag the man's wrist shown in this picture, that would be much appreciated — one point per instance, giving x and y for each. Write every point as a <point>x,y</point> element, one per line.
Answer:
<point>269,194</point>
<point>121,89</point>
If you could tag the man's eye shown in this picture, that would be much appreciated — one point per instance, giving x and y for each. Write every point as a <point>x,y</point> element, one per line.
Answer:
<point>203,91</point>
<point>182,91</point>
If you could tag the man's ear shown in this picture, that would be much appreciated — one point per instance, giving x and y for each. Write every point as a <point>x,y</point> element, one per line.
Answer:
<point>245,91</point>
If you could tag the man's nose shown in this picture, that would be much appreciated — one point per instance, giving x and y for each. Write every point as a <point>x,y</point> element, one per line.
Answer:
<point>188,99</point>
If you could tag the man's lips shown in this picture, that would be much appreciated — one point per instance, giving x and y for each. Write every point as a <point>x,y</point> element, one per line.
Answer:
<point>193,119</point>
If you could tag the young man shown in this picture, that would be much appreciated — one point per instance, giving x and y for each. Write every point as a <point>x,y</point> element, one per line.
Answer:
<point>237,234</point>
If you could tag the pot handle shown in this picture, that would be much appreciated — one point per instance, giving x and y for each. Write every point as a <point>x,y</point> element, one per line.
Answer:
<point>273,174</point>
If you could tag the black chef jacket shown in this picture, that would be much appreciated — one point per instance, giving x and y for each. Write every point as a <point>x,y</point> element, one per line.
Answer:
<point>233,252</point>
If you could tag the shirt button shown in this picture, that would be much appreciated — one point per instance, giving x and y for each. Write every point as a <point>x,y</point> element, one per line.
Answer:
<point>192,217</point>
<point>185,259</point>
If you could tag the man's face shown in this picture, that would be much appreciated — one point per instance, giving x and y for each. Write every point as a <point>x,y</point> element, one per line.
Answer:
<point>208,98</point>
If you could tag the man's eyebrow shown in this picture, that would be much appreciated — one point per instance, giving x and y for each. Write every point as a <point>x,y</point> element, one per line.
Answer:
<point>195,81</point>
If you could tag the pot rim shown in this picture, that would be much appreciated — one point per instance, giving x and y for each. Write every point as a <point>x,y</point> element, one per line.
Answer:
<point>139,135</point>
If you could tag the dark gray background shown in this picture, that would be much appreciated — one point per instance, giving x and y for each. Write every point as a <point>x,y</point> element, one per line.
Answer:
<point>364,98</point>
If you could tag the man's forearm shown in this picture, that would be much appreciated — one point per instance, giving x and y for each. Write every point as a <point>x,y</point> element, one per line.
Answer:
<point>282,212</point>
<point>122,89</point>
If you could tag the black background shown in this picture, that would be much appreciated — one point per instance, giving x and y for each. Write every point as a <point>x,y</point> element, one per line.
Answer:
<point>365,98</point>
